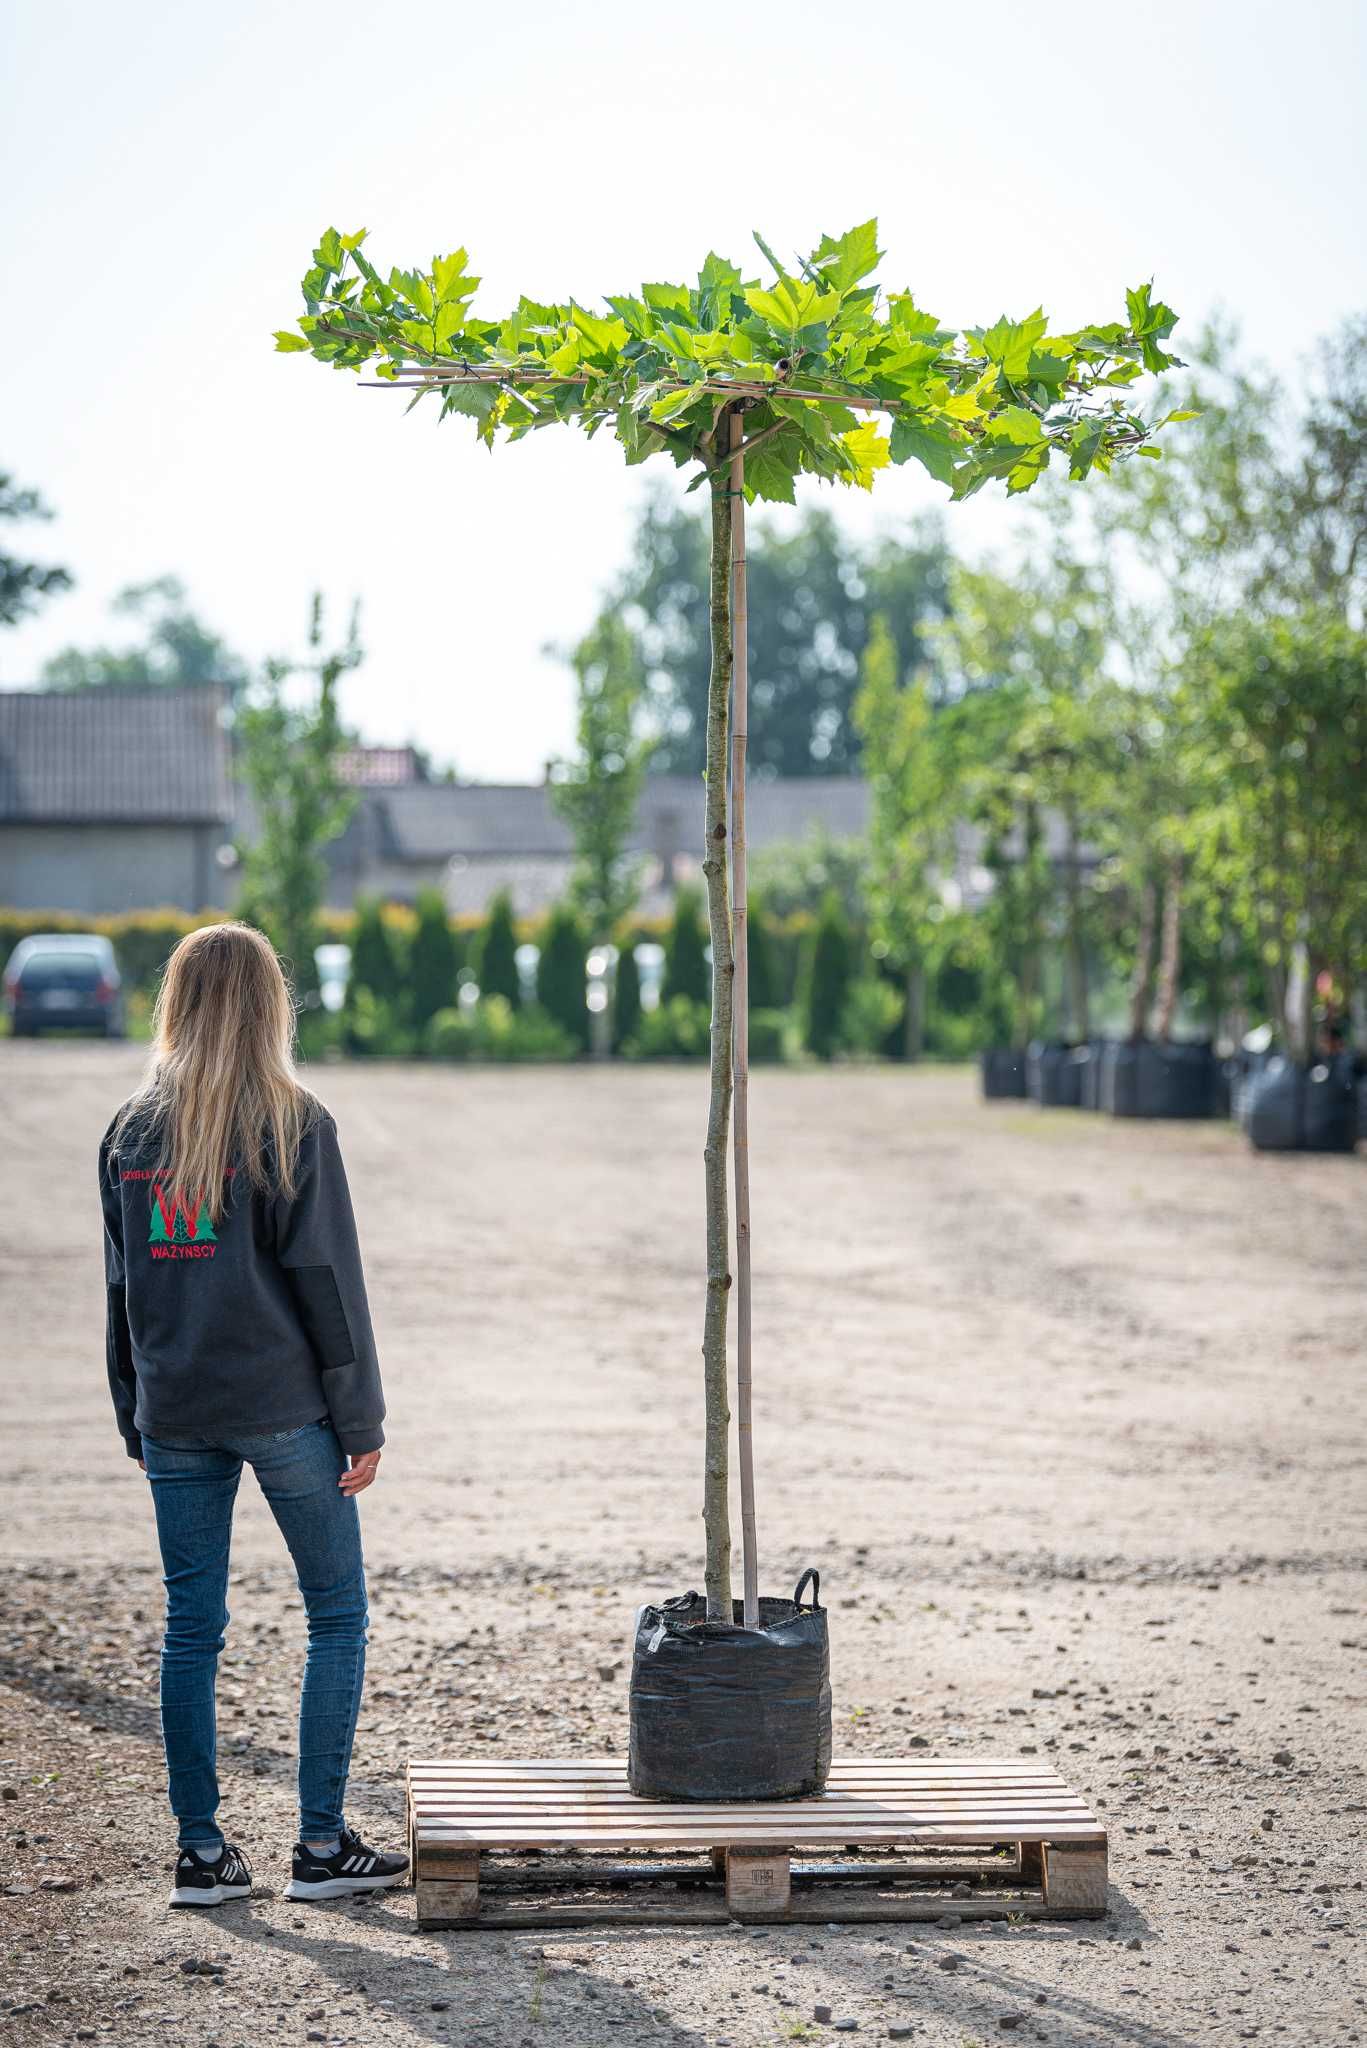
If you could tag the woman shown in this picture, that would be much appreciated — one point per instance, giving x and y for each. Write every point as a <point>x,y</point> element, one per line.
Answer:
<point>238,1332</point>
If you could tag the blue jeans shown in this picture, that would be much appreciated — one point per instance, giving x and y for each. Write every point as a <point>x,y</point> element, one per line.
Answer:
<point>194,1485</point>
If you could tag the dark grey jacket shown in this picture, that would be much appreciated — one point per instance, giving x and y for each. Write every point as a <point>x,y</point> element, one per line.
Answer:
<point>257,1322</point>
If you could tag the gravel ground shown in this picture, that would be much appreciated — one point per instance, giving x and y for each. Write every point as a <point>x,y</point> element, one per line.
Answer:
<point>1069,1413</point>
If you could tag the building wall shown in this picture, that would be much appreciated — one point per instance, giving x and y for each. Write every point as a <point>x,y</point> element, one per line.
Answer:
<point>103,869</point>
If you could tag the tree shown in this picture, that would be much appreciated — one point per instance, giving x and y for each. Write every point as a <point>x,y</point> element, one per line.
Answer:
<point>626,998</point>
<point>908,824</point>
<point>685,951</point>
<point>812,594</point>
<point>1274,715</point>
<point>289,755</point>
<point>433,959</point>
<point>1027,740</point>
<point>24,586</point>
<point>498,975</point>
<point>561,988</point>
<point>598,791</point>
<point>177,648</point>
<point>374,958</point>
<point>827,981</point>
<point>750,386</point>
<point>765,992</point>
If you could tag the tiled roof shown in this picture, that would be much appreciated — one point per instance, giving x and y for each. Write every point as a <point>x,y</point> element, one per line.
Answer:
<point>433,821</point>
<point>157,755</point>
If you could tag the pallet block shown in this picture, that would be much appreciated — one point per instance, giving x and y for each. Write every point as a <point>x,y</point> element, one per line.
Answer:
<point>531,1842</point>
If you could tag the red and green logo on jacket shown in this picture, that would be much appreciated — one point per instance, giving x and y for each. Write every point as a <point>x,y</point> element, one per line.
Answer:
<point>180,1230</point>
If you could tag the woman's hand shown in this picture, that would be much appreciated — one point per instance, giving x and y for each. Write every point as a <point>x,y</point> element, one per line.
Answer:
<point>362,1471</point>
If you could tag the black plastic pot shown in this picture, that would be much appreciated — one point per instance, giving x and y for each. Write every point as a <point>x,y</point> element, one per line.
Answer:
<point>1241,1071</point>
<point>1288,1107</point>
<point>1003,1075</point>
<point>720,1711</point>
<point>1053,1073</point>
<point>1090,1060</point>
<point>1144,1078</point>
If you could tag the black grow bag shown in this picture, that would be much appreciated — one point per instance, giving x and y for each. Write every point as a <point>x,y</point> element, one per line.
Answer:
<point>721,1711</point>
<point>1090,1060</point>
<point>1003,1075</point>
<point>1053,1073</point>
<point>1144,1077</point>
<point>1291,1108</point>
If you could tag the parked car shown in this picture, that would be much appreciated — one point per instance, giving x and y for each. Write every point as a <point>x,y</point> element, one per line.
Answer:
<point>66,979</point>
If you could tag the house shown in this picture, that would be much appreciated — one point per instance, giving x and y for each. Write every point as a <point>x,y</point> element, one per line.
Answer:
<point>473,839</point>
<point>114,800</point>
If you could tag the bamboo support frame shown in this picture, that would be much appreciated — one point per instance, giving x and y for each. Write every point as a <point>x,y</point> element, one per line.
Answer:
<point>740,1106</point>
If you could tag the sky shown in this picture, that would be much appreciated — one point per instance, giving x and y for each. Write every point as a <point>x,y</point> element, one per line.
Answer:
<point>167,170</point>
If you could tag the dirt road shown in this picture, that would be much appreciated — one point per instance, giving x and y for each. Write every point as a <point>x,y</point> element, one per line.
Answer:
<point>1070,1413</point>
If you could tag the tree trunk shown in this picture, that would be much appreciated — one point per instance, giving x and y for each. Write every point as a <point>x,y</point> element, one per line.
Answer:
<point>1028,977</point>
<point>914,1020</point>
<point>1076,952</point>
<point>1142,985</point>
<point>717,1448</point>
<point>1170,960</point>
<point>740,719</point>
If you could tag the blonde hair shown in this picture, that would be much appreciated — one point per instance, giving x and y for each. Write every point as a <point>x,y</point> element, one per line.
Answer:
<point>221,1092</point>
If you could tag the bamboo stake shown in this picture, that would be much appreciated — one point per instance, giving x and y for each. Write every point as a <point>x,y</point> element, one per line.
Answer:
<point>740,1107</point>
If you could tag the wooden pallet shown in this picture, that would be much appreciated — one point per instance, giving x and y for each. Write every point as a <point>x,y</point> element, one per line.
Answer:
<point>513,1842</point>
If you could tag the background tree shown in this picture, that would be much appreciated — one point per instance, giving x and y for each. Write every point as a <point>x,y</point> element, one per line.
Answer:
<point>907,826</point>
<point>498,975</point>
<point>24,586</point>
<point>561,987</point>
<point>829,972</point>
<point>686,972</point>
<point>433,959</point>
<point>766,990</point>
<point>374,957</point>
<point>176,648</point>
<point>812,593</point>
<point>597,792</point>
<point>1274,712</point>
<point>626,997</point>
<point>288,753</point>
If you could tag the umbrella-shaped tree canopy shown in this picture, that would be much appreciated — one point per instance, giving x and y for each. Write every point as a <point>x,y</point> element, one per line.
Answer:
<point>811,354</point>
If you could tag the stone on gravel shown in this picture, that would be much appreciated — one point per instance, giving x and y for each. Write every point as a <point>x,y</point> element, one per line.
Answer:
<point>821,2013</point>
<point>949,1962</point>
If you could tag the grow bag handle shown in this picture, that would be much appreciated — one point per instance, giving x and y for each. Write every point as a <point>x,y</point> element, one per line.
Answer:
<point>814,1575</point>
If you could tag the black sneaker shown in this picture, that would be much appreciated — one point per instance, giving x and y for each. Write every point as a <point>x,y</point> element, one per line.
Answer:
<point>208,1884</point>
<point>354,1868</point>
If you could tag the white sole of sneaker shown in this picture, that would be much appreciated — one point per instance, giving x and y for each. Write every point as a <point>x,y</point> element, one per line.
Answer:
<point>340,1887</point>
<point>208,1895</point>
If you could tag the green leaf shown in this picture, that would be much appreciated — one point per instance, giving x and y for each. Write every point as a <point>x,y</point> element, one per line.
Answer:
<point>669,298</point>
<point>351,243</point>
<point>1047,367</point>
<point>1171,419</point>
<point>1011,343</point>
<point>867,451</point>
<point>450,320</point>
<point>1015,423</point>
<point>907,320</point>
<point>448,275</point>
<point>791,305</point>
<point>769,474</point>
<point>605,337</point>
<point>915,439</point>
<point>844,259</point>
<point>287,343</point>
